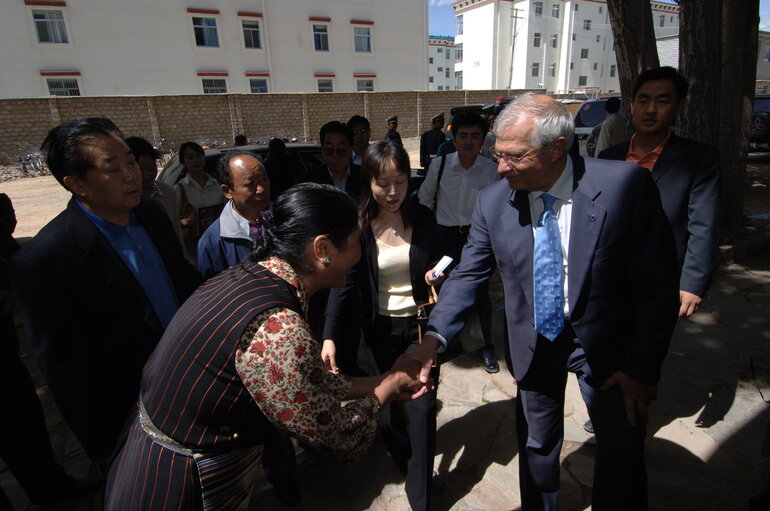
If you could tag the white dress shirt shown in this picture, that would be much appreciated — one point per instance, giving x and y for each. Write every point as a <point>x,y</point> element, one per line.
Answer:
<point>459,188</point>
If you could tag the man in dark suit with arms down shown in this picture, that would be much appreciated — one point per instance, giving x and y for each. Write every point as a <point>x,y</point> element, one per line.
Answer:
<point>431,139</point>
<point>588,265</point>
<point>98,285</point>
<point>686,173</point>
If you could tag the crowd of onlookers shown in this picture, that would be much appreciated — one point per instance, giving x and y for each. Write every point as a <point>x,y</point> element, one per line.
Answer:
<point>186,332</point>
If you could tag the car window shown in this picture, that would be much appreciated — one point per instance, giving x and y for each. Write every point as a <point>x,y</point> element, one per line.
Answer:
<point>590,114</point>
<point>762,105</point>
<point>310,158</point>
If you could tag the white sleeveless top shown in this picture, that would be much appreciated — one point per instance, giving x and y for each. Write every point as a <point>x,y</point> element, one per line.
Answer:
<point>395,288</point>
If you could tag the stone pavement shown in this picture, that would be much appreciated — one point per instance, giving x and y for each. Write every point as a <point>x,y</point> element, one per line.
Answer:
<point>709,432</point>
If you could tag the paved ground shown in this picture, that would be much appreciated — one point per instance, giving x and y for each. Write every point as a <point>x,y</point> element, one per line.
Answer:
<point>709,445</point>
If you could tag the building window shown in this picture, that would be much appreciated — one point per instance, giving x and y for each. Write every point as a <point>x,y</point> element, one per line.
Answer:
<point>446,73</point>
<point>430,60</point>
<point>598,38</point>
<point>251,33</point>
<point>258,85</point>
<point>214,86</point>
<point>459,52</point>
<point>440,87</point>
<point>552,70</point>
<point>601,9</point>
<point>572,65</point>
<point>459,24</point>
<point>536,69</point>
<point>63,87</point>
<point>582,81</point>
<point>538,8</point>
<point>365,85</point>
<point>321,39</point>
<point>671,19</point>
<point>536,40</point>
<point>205,31</point>
<point>362,39</point>
<point>584,53</point>
<point>555,41</point>
<point>576,6</point>
<point>555,11</point>
<point>440,70</point>
<point>586,24</point>
<point>612,71</point>
<point>447,53</point>
<point>459,80</point>
<point>596,66</point>
<point>573,36</point>
<point>50,26</point>
<point>430,79</point>
<point>325,85</point>
<point>440,50</point>
<point>662,22</point>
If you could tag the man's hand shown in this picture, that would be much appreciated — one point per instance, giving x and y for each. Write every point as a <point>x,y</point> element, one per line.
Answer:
<point>688,304</point>
<point>637,395</point>
<point>426,356</point>
<point>328,355</point>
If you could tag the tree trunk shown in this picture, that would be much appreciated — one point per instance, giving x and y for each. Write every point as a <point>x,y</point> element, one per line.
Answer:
<point>740,25</point>
<point>700,45</point>
<point>634,36</point>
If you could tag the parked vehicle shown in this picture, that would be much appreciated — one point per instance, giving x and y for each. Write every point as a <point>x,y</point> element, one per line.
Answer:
<point>591,114</point>
<point>760,124</point>
<point>308,156</point>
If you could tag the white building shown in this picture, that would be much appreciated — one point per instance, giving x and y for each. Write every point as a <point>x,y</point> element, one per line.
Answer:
<point>138,47</point>
<point>442,57</point>
<point>557,45</point>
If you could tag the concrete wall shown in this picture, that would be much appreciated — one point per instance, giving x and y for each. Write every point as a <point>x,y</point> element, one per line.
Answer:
<point>220,117</point>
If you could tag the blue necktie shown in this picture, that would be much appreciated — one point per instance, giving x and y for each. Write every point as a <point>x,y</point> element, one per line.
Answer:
<point>548,275</point>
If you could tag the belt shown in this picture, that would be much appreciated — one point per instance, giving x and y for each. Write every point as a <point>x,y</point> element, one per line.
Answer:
<point>462,229</point>
<point>161,438</point>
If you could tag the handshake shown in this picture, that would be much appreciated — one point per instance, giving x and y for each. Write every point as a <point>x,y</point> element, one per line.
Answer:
<point>403,380</point>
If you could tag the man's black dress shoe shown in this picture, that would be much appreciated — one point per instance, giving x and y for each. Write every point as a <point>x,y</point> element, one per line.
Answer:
<point>488,360</point>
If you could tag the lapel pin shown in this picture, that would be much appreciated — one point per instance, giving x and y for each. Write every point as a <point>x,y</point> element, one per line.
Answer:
<point>592,218</point>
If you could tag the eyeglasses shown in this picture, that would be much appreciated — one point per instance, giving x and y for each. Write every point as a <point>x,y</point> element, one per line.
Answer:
<point>330,151</point>
<point>512,160</point>
<point>361,132</point>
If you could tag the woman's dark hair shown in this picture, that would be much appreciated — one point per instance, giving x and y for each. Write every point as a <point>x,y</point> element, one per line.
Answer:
<point>377,158</point>
<point>192,146</point>
<point>64,144</point>
<point>276,148</point>
<point>301,213</point>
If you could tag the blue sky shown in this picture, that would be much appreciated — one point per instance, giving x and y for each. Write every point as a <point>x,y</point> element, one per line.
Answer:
<point>441,19</point>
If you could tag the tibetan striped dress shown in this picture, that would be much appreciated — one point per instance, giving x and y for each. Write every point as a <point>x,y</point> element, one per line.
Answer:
<point>236,363</point>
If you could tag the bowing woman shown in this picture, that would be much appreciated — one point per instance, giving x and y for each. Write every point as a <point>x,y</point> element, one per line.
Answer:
<point>238,361</point>
<point>393,276</point>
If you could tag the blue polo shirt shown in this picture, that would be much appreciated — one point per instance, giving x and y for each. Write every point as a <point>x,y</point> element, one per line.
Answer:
<point>137,250</point>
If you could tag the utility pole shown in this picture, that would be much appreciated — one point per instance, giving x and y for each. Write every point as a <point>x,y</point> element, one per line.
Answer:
<point>515,17</point>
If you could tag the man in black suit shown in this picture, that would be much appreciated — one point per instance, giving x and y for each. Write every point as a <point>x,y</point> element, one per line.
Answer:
<point>431,139</point>
<point>338,169</point>
<point>588,266</point>
<point>98,285</point>
<point>686,173</point>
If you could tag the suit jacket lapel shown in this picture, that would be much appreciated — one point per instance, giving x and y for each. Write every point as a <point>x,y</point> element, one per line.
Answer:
<point>587,220</point>
<point>667,158</point>
<point>518,231</point>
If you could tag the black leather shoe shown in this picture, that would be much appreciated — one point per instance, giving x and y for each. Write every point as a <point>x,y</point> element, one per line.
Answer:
<point>589,426</point>
<point>488,360</point>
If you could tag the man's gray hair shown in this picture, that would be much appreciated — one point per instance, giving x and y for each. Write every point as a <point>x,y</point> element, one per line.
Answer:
<point>552,120</point>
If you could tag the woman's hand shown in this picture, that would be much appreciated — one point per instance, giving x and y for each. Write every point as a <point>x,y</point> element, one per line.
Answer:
<point>328,355</point>
<point>434,281</point>
<point>189,220</point>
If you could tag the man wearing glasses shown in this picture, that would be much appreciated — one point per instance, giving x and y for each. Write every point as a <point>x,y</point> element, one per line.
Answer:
<point>362,131</point>
<point>451,186</point>
<point>590,276</point>
<point>338,169</point>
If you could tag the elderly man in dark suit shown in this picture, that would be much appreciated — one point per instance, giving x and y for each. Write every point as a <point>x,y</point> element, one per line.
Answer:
<point>99,284</point>
<point>589,273</point>
<point>686,173</point>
